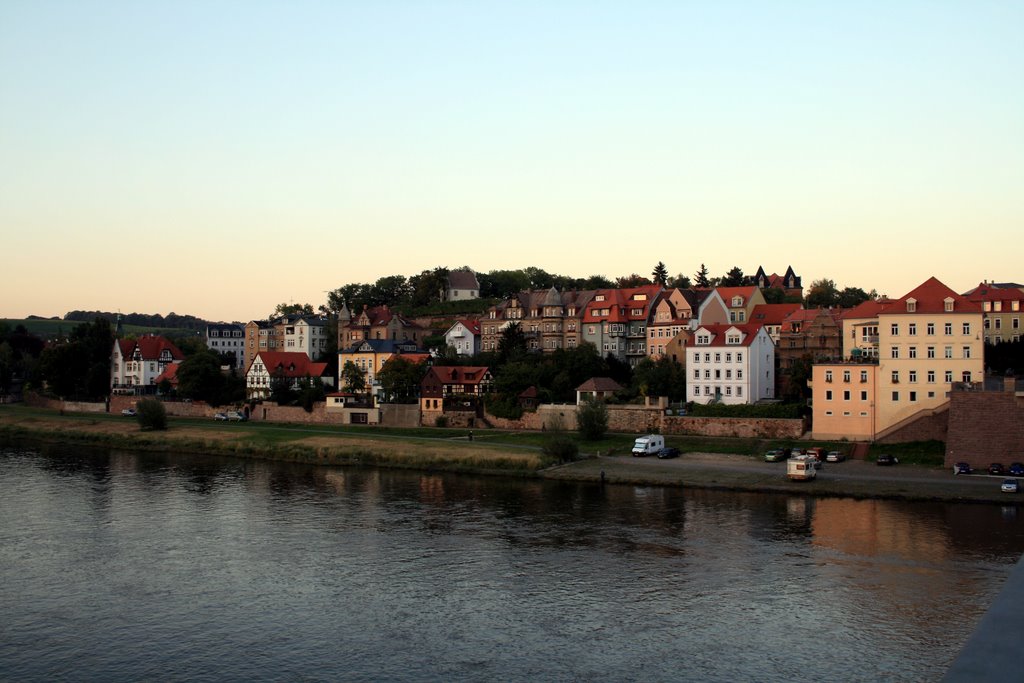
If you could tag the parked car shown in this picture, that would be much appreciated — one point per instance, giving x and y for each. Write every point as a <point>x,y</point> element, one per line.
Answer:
<point>220,417</point>
<point>811,455</point>
<point>961,468</point>
<point>235,416</point>
<point>996,468</point>
<point>1016,469</point>
<point>1009,486</point>
<point>835,456</point>
<point>128,412</point>
<point>886,459</point>
<point>775,455</point>
<point>668,452</point>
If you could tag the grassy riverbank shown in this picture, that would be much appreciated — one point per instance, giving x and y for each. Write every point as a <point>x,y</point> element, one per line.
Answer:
<point>730,464</point>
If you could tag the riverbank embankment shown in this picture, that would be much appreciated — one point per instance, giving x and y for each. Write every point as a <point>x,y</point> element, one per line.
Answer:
<point>506,455</point>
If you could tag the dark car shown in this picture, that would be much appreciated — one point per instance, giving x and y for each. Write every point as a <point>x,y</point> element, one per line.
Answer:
<point>961,468</point>
<point>886,459</point>
<point>1017,469</point>
<point>996,468</point>
<point>668,452</point>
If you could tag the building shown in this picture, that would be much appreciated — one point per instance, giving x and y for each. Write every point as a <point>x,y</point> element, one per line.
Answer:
<point>295,333</point>
<point>668,331</point>
<point>464,337</point>
<point>227,339</point>
<point>790,283</point>
<point>370,355</point>
<point>730,305</point>
<point>731,364</point>
<point>771,316</point>
<point>615,321</point>
<point>293,367</point>
<point>860,329</point>
<point>379,323</point>
<point>806,337</point>
<point>845,393</point>
<point>137,363</point>
<point>549,319</point>
<point>461,284</point>
<point>1001,307</point>
<point>597,389</point>
<point>927,340</point>
<point>453,388</point>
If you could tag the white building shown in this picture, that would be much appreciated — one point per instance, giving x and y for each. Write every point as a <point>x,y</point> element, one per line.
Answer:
<point>307,335</point>
<point>135,364</point>
<point>228,339</point>
<point>731,364</point>
<point>464,337</point>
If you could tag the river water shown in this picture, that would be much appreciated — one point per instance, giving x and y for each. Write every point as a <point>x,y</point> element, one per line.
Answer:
<point>118,566</point>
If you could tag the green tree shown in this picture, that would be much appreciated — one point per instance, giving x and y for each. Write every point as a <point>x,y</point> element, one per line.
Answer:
<point>592,419</point>
<point>400,380</point>
<point>596,282</point>
<point>284,309</point>
<point>660,274</point>
<point>428,287</point>
<point>512,343</point>
<point>392,290</point>
<point>734,278</point>
<point>852,296</point>
<point>633,280</point>
<point>822,294</point>
<point>80,366</point>
<point>701,278</point>
<point>151,414</point>
<point>200,378</point>
<point>680,281</point>
<point>662,377</point>
<point>352,378</point>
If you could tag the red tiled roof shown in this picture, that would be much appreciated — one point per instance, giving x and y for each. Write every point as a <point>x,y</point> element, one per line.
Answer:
<point>986,292</point>
<point>459,374</point>
<point>170,374</point>
<point>126,346</point>
<point>772,314</point>
<point>151,346</point>
<point>599,384</point>
<point>470,324</point>
<point>866,309</point>
<point>931,297</point>
<point>727,293</point>
<point>290,364</point>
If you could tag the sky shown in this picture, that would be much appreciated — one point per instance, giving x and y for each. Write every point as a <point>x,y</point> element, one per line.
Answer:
<point>219,158</point>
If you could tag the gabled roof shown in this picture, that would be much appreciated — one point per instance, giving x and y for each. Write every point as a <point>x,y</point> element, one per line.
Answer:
<point>801,316</point>
<point>414,358</point>
<point>727,293</point>
<point>719,333</point>
<point>462,279</point>
<point>151,347</point>
<point>772,314</point>
<point>621,303</point>
<point>866,309</point>
<point>289,364</point>
<point>472,325</point>
<point>930,297</point>
<point>459,374</point>
<point>600,384</point>
<point>125,346</point>
<point>381,346</point>
<point>170,374</point>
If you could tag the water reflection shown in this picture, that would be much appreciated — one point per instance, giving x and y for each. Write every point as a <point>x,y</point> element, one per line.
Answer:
<point>482,578</point>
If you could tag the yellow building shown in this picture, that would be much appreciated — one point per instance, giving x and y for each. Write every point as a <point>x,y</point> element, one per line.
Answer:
<point>844,400</point>
<point>1001,306</point>
<point>926,341</point>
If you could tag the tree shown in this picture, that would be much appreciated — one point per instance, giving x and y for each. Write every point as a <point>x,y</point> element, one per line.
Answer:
<point>701,278</point>
<point>200,378</point>
<point>428,287</point>
<point>512,343</point>
<point>662,377</point>
<point>284,309</point>
<point>80,367</point>
<point>596,282</point>
<point>852,296</point>
<point>660,274</point>
<point>352,378</point>
<point>400,380</point>
<point>734,278</point>
<point>391,290</point>
<point>822,294</point>
<point>592,419</point>
<point>680,281</point>
<point>151,414</point>
<point>633,280</point>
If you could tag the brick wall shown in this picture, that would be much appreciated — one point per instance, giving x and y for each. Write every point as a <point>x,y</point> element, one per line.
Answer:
<point>752,427</point>
<point>400,415</point>
<point>929,427</point>
<point>985,427</point>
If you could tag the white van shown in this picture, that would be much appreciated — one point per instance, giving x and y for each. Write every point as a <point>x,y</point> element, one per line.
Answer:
<point>648,445</point>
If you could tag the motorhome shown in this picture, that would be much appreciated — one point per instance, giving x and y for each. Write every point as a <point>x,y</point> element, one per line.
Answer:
<point>800,469</point>
<point>648,445</point>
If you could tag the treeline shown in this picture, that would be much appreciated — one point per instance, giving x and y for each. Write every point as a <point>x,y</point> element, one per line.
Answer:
<point>171,320</point>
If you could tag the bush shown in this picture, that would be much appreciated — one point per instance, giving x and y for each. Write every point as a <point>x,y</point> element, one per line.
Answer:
<point>560,448</point>
<point>151,414</point>
<point>592,419</point>
<point>441,421</point>
<point>503,406</point>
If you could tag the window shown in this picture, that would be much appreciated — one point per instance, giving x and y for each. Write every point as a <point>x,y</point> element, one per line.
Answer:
<point>895,396</point>
<point>966,376</point>
<point>728,374</point>
<point>999,323</point>
<point>913,396</point>
<point>912,351</point>
<point>895,330</point>
<point>718,358</point>
<point>828,375</point>
<point>987,323</point>
<point>911,306</point>
<point>707,374</point>
<point>895,376</point>
<point>930,328</point>
<point>949,376</point>
<point>696,391</point>
<point>931,377</point>
<point>846,375</point>
<point>696,374</point>
<point>707,357</point>
<point>728,391</point>
<point>967,328</point>
<point>895,352</point>
<point>739,374</point>
<point>828,412</point>
<point>967,352</point>
<point>948,305</point>
<point>739,391</point>
<point>912,376</point>
<point>863,395</point>
<point>739,357</point>
<point>948,352</point>
<point>948,329</point>
<point>728,358</point>
<point>863,376</point>
<point>846,395</point>
<point>718,374</point>
<point>931,352</point>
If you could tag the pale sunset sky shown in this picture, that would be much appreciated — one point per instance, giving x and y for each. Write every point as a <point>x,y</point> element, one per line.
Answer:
<point>216,158</point>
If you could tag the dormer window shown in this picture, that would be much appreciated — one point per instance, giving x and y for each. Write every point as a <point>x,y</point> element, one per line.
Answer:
<point>703,339</point>
<point>733,339</point>
<point>599,297</point>
<point>911,305</point>
<point>639,297</point>
<point>737,301</point>
<point>949,304</point>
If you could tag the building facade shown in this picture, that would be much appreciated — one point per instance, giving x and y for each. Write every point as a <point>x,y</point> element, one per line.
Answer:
<point>730,364</point>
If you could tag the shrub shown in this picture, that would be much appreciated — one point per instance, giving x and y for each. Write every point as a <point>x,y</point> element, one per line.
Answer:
<point>440,421</point>
<point>151,414</point>
<point>561,448</point>
<point>592,419</point>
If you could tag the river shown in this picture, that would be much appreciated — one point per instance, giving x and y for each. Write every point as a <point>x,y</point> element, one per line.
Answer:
<point>125,566</point>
